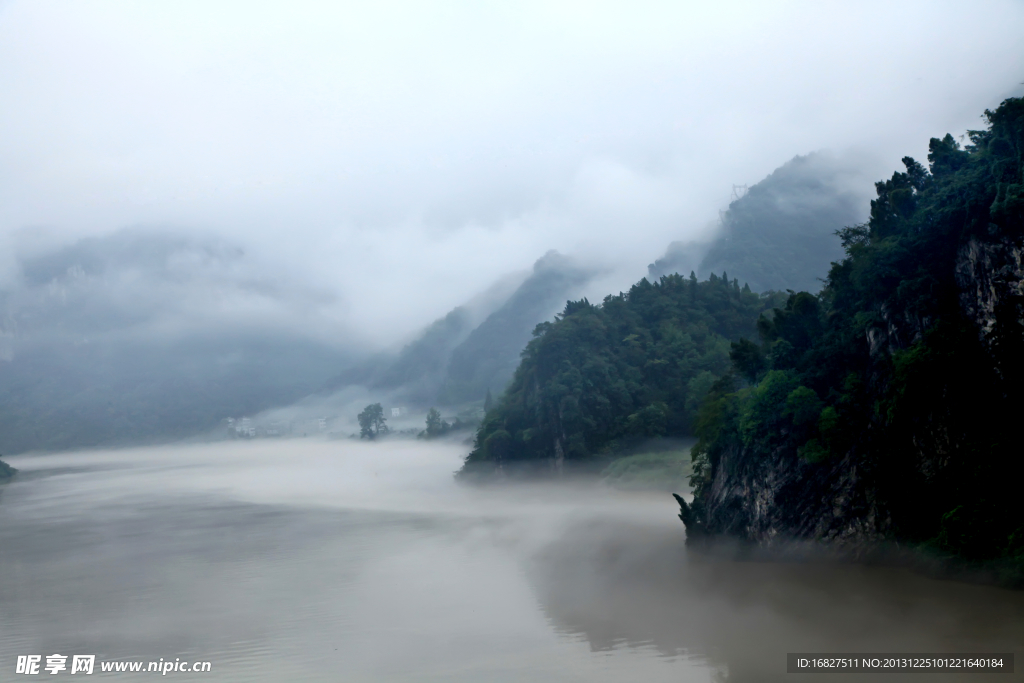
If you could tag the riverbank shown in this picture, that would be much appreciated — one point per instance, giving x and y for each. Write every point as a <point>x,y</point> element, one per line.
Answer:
<point>923,558</point>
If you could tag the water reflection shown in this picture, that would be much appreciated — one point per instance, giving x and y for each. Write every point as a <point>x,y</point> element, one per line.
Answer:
<point>357,562</point>
<point>635,586</point>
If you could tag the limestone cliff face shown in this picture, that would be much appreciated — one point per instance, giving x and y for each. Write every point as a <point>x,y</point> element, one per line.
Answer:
<point>778,499</point>
<point>989,274</point>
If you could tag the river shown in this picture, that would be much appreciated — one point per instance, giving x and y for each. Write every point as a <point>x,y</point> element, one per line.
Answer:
<point>304,560</point>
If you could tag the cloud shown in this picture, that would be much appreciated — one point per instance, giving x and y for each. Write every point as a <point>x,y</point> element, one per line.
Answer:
<point>397,158</point>
<point>147,284</point>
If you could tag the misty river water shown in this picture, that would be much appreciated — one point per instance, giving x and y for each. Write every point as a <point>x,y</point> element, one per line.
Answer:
<point>308,560</point>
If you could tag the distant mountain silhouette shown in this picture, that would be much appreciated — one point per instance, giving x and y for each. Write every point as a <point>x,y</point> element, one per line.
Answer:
<point>126,339</point>
<point>490,355</point>
<point>780,234</point>
<point>459,357</point>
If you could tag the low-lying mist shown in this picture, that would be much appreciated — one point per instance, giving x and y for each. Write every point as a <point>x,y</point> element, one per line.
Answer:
<point>288,558</point>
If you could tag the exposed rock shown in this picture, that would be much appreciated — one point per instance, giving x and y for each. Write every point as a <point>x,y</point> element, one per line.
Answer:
<point>989,273</point>
<point>781,500</point>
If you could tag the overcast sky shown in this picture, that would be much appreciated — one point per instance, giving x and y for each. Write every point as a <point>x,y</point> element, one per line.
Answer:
<point>398,158</point>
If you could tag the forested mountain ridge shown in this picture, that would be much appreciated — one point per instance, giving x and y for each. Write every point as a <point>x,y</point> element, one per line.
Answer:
<point>599,377</point>
<point>778,235</point>
<point>884,407</point>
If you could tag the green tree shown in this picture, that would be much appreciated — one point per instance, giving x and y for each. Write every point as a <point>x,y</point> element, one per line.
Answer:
<point>748,358</point>
<point>435,425</point>
<point>372,422</point>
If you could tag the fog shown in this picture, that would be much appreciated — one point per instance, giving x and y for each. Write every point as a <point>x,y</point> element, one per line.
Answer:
<point>312,560</point>
<point>281,212</point>
<point>363,169</point>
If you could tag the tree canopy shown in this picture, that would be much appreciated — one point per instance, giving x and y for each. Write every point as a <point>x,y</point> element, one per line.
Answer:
<point>600,377</point>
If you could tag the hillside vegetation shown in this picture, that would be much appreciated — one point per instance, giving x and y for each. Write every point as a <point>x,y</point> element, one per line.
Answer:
<point>600,378</point>
<point>884,408</point>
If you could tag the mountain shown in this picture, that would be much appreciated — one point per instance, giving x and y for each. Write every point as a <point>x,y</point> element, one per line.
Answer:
<point>780,234</point>
<point>475,347</point>
<point>143,336</point>
<point>600,378</point>
<point>884,408</point>
<point>488,357</point>
<point>419,369</point>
